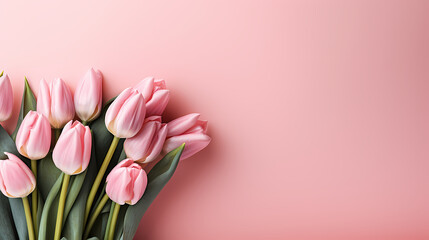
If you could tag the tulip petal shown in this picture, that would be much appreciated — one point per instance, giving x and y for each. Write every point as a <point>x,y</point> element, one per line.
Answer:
<point>199,127</point>
<point>145,87</point>
<point>13,169</point>
<point>44,99</point>
<point>119,190</point>
<point>24,132</point>
<point>6,98</point>
<point>87,140</point>
<point>137,147</point>
<point>157,144</point>
<point>68,151</point>
<point>114,108</point>
<point>182,124</point>
<point>139,187</point>
<point>157,104</point>
<point>62,106</point>
<point>130,117</point>
<point>39,138</point>
<point>88,95</point>
<point>193,142</point>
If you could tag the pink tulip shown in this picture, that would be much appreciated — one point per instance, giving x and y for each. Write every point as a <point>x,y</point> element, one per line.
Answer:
<point>189,130</point>
<point>88,96</point>
<point>6,98</point>
<point>147,144</point>
<point>126,183</point>
<point>16,179</point>
<point>55,102</point>
<point>125,116</point>
<point>156,95</point>
<point>34,136</point>
<point>73,149</point>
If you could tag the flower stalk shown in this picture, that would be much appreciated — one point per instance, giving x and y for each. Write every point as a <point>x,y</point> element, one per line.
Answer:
<point>34,196</point>
<point>113,222</point>
<point>95,214</point>
<point>60,214</point>
<point>28,218</point>
<point>100,175</point>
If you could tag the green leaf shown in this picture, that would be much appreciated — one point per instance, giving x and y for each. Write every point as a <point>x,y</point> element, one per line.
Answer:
<point>49,213</point>
<point>7,145</point>
<point>47,175</point>
<point>16,207</point>
<point>157,178</point>
<point>103,138</point>
<point>40,205</point>
<point>7,228</point>
<point>1,74</point>
<point>74,189</point>
<point>28,103</point>
<point>100,225</point>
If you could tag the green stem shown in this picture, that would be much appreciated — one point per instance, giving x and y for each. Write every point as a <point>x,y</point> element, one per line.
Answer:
<point>109,220</point>
<point>34,197</point>
<point>113,223</point>
<point>94,216</point>
<point>57,132</point>
<point>28,218</point>
<point>84,123</point>
<point>99,177</point>
<point>61,203</point>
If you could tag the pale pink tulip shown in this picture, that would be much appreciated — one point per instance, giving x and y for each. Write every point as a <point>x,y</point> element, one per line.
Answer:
<point>125,116</point>
<point>55,102</point>
<point>88,96</point>
<point>34,136</point>
<point>6,98</point>
<point>126,183</point>
<point>73,149</point>
<point>147,144</point>
<point>189,130</point>
<point>155,94</point>
<point>16,179</point>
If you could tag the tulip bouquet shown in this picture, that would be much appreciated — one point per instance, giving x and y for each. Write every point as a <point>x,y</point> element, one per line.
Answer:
<point>71,178</point>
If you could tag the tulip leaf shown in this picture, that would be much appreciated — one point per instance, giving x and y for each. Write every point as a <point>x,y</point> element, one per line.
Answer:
<point>16,206</point>
<point>1,74</point>
<point>100,225</point>
<point>49,213</point>
<point>74,189</point>
<point>103,138</point>
<point>28,103</point>
<point>47,175</point>
<point>157,179</point>
<point>7,228</point>
<point>40,204</point>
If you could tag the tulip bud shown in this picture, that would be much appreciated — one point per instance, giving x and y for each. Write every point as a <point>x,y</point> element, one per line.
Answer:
<point>16,179</point>
<point>55,102</point>
<point>33,139</point>
<point>190,130</point>
<point>155,94</point>
<point>147,144</point>
<point>6,98</point>
<point>126,183</point>
<point>73,149</point>
<point>88,96</point>
<point>125,116</point>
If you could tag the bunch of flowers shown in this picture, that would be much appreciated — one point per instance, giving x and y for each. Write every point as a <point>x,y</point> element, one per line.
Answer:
<point>62,178</point>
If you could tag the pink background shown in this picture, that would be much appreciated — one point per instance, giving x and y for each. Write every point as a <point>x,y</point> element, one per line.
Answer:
<point>319,110</point>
